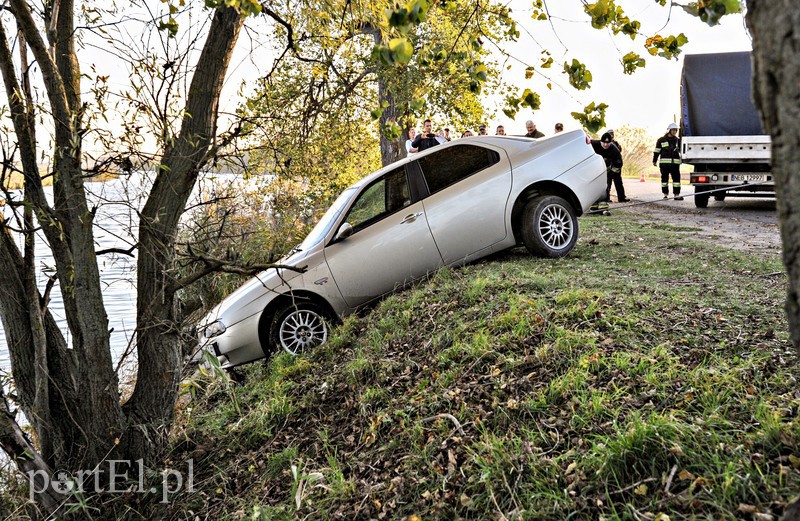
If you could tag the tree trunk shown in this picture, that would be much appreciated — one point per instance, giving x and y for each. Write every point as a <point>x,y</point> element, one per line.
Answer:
<point>71,396</point>
<point>80,427</point>
<point>158,334</point>
<point>22,453</point>
<point>775,27</point>
<point>391,150</point>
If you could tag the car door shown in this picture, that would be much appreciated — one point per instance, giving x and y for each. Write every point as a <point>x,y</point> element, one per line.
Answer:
<point>391,244</point>
<point>469,186</point>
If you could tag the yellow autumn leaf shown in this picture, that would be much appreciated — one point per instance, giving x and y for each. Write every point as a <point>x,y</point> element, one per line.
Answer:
<point>685,475</point>
<point>794,461</point>
<point>413,518</point>
<point>641,490</point>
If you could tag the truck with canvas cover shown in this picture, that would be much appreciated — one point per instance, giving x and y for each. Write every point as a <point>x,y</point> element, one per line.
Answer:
<point>721,132</point>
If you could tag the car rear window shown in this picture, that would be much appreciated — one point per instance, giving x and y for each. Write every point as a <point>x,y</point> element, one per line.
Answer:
<point>449,166</point>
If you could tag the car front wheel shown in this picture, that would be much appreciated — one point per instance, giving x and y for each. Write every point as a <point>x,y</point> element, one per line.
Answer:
<point>299,327</point>
<point>549,226</point>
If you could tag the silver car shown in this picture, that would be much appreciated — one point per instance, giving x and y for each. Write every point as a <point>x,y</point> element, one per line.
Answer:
<point>446,206</point>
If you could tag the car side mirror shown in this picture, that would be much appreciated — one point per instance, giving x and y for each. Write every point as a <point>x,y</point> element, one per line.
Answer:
<point>345,231</point>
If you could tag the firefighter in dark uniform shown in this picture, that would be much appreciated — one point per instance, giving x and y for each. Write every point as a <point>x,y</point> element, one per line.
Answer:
<point>613,158</point>
<point>668,147</point>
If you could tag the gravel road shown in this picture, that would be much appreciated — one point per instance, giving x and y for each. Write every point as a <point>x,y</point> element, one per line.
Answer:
<point>744,223</point>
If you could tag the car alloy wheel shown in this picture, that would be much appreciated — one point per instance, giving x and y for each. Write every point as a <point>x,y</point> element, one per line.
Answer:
<point>301,328</point>
<point>549,226</point>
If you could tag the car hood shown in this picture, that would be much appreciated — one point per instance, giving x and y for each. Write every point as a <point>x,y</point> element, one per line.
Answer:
<point>246,300</point>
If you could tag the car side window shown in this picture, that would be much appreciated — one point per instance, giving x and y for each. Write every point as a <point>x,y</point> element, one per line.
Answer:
<point>380,199</point>
<point>449,166</point>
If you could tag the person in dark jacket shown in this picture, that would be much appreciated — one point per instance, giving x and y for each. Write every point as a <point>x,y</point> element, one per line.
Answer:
<point>613,157</point>
<point>610,132</point>
<point>530,126</point>
<point>668,148</point>
<point>426,139</point>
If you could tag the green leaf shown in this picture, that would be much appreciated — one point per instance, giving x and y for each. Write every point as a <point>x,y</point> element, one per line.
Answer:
<point>579,76</point>
<point>593,117</point>
<point>669,47</point>
<point>512,107</point>
<point>531,99</point>
<point>376,114</point>
<point>402,50</point>
<point>391,130</point>
<point>631,62</point>
<point>710,11</point>
<point>171,26</point>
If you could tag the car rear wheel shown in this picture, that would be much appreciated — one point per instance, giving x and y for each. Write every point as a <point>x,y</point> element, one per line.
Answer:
<point>298,327</point>
<point>549,226</point>
<point>701,200</point>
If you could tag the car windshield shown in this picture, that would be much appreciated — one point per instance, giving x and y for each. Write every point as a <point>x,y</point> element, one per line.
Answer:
<point>324,225</point>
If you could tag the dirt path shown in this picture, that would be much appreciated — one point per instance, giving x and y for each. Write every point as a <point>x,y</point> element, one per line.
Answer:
<point>743,223</point>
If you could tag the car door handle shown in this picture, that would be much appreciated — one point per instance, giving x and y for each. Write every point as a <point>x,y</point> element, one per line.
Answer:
<point>410,218</point>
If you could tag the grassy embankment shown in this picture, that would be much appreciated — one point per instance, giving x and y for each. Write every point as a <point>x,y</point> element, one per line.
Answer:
<point>646,376</point>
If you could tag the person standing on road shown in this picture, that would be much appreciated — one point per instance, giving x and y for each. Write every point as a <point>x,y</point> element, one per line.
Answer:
<point>610,132</point>
<point>668,147</point>
<point>613,158</point>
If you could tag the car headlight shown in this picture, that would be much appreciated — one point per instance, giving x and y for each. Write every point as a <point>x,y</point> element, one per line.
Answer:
<point>215,328</point>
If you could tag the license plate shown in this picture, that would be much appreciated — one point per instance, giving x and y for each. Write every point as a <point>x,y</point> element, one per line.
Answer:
<point>745,177</point>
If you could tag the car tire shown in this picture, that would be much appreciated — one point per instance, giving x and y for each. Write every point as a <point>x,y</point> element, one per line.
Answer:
<point>298,327</point>
<point>549,226</point>
<point>701,200</point>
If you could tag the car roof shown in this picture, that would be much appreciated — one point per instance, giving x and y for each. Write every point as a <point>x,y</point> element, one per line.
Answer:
<point>510,144</point>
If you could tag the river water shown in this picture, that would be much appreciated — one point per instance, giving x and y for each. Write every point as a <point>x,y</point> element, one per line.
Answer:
<point>116,227</point>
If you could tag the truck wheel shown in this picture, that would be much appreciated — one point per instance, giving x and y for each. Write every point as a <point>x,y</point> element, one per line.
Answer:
<point>720,196</point>
<point>701,200</point>
<point>549,226</point>
<point>298,327</point>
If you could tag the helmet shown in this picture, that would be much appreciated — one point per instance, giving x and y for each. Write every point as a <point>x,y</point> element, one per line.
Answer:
<point>672,126</point>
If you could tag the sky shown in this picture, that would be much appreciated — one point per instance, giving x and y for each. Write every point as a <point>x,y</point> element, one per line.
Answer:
<point>648,99</point>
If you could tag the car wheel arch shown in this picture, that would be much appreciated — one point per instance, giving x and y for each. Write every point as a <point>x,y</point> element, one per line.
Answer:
<point>278,303</point>
<point>535,190</point>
